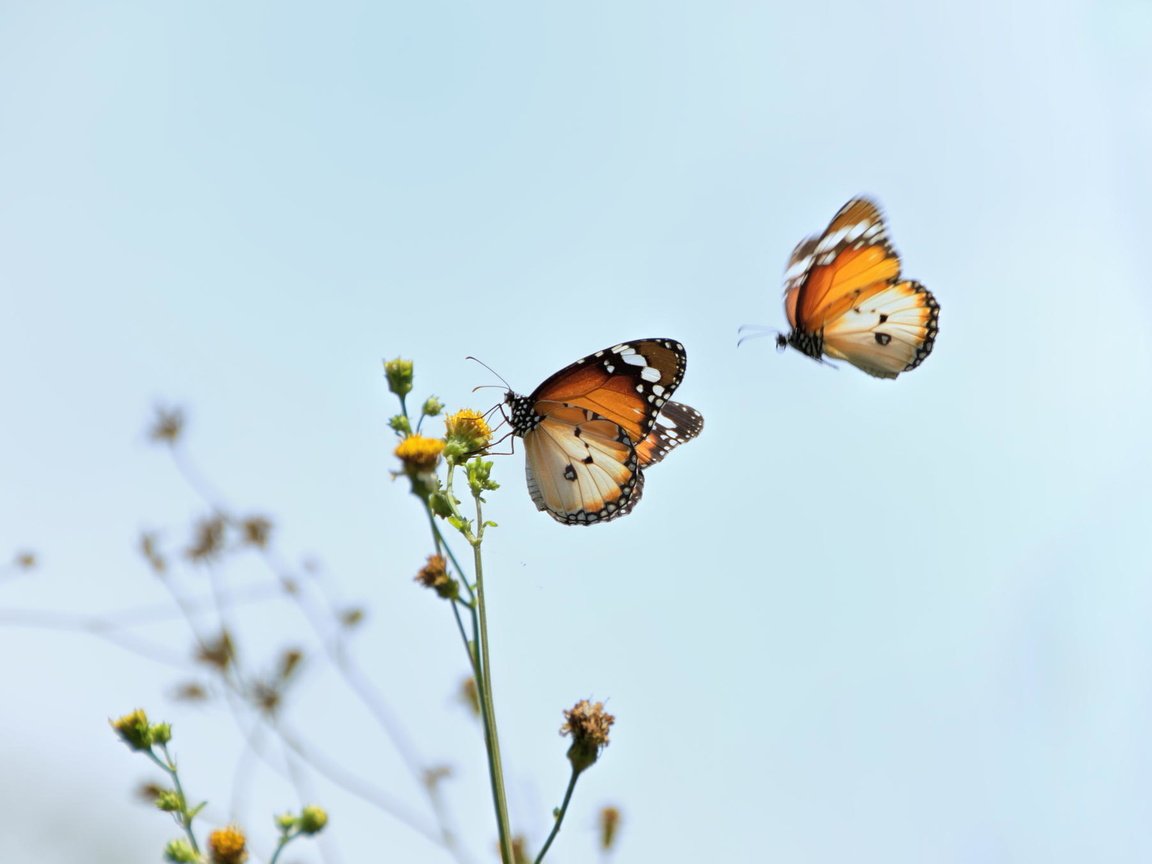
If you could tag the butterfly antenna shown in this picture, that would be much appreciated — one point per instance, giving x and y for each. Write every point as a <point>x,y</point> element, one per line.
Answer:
<point>507,386</point>
<point>754,331</point>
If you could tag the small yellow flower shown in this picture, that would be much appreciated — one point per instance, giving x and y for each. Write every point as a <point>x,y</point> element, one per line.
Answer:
<point>588,724</point>
<point>134,730</point>
<point>419,454</point>
<point>227,846</point>
<point>469,429</point>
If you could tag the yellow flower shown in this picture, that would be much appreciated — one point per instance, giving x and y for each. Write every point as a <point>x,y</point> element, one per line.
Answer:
<point>469,428</point>
<point>134,730</point>
<point>226,846</point>
<point>419,454</point>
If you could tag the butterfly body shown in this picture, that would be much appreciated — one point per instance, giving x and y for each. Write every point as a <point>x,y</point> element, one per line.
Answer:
<point>845,298</point>
<point>589,429</point>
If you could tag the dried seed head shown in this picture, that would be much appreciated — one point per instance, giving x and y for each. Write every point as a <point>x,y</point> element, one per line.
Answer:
<point>588,724</point>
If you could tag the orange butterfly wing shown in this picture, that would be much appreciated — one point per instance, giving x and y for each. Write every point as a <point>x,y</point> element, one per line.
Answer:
<point>627,384</point>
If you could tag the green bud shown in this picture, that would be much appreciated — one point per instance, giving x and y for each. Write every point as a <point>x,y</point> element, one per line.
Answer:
<point>400,424</point>
<point>399,374</point>
<point>161,733</point>
<point>169,801</point>
<point>312,819</point>
<point>432,407</point>
<point>286,822</point>
<point>438,502</point>
<point>180,852</point>
<point>478,477</point>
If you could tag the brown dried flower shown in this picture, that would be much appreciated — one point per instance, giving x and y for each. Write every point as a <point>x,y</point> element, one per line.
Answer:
<point>351,618</point>
<point>168,425</point>
<point>208,539</point>
<point>150,549</point>
<point>219,652</point>
<point>190,691</point>
<point>255,531</point>
<point>434,575</point>
<point>609,823</point>
<point>469,695</point>
<point>588,724</point>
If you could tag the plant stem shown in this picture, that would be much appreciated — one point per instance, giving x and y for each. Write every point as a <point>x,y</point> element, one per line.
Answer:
<point>559,815</point>
<point>185,818</point>
<point>484,688</point>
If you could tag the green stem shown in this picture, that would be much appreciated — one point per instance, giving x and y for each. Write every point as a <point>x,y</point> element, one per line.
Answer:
<point>280,847</point>
<point>559,815</point>
<point>185,815</point>
<point>484,687</point>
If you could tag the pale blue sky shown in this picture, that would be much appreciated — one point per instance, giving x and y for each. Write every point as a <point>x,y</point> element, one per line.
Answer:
<point>893,621</point>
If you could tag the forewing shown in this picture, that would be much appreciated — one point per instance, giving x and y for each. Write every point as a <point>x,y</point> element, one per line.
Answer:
<point>852,255</point>
<point>628,383</point>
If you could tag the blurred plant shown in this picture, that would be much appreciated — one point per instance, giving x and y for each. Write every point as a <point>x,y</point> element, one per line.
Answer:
<point>226,845</point>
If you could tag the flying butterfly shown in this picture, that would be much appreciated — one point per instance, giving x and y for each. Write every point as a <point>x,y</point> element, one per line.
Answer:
<point>591,429</point>
<point>845,299</point>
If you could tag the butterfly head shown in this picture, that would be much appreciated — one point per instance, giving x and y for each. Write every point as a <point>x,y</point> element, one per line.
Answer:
<point>524,417</point>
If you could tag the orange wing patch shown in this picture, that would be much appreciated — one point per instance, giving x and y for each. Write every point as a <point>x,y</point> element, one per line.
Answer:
<point>621,383</point>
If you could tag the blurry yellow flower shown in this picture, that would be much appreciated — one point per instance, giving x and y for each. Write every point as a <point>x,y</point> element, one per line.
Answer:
<point>419,454</point>
<point>134,730</point>
<point>227,846</point>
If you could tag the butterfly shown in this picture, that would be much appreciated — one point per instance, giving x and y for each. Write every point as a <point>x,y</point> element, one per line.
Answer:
<point>844,297</point>
<point>591,429</point>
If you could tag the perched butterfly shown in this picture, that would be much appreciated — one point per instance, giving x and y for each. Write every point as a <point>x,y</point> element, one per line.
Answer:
<point>845,299</point>
<point>591,428</point>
